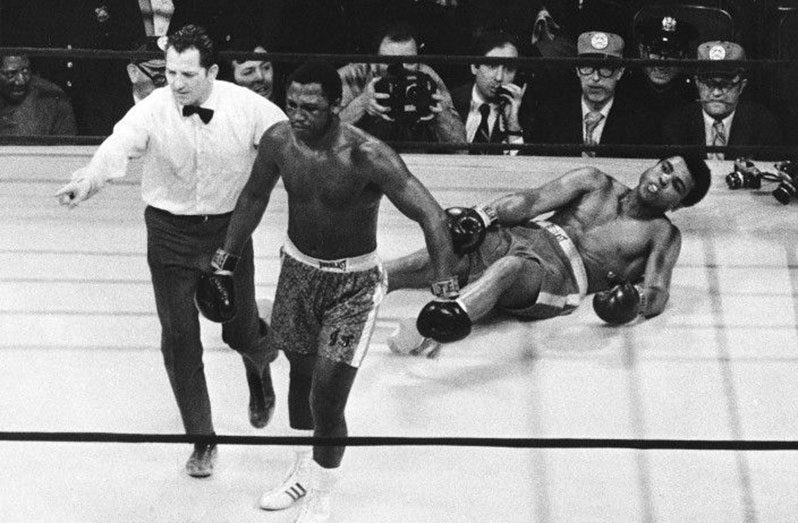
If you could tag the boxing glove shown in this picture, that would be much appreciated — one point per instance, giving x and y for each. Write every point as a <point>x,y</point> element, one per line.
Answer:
<point>444,321</point>
<point>215,294</point>
<point>468,227</point>
<point>619,304</point>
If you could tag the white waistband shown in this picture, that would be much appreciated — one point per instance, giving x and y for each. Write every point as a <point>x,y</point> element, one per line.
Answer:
<point>356,264</point>
<point>570,251</point>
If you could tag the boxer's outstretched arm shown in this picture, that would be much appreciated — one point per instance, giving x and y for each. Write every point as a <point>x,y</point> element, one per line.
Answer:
<point>254,198</point>
<point>413,200</point>
<point>520,207</point>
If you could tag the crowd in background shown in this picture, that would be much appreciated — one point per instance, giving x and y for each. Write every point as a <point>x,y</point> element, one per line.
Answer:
<point>467,103</point>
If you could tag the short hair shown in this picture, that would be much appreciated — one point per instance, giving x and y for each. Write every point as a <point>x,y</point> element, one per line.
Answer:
<point>397,32</point>
<point>493,39</point>
<point>197,37</point>
<point>323,73</point>
<point>702,179</point>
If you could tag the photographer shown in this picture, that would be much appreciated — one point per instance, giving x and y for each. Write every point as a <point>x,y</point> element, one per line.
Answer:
<point>366,101</point>
<point>497,107</point>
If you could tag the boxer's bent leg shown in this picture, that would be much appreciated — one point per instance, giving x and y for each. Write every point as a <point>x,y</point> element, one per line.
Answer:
<point>510,281</point>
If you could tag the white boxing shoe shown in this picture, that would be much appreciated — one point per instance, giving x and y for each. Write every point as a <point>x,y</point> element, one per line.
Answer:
<point>317,506</point>
<point>293,488</point>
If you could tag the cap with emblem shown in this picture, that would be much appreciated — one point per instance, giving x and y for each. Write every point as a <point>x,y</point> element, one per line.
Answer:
<point>598,43</point>
<point>718,51</point>
<point>665,36</point>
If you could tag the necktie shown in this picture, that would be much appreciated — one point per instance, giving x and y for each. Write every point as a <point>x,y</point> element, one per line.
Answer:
<point>483,131</point>
<point>204,113</point>
<point>718,138</point>
<point>592,120</point>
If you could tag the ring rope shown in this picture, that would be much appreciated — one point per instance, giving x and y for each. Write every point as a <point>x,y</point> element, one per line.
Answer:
<point>526,61</point>
<point>377,441</point>
<point>548,149</point>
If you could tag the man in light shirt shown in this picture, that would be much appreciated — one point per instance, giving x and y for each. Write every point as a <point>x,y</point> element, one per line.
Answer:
<point>197,141</point>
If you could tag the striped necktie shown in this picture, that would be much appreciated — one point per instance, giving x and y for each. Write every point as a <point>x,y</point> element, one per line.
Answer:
<point>718,138</point>
<point>592,120</point>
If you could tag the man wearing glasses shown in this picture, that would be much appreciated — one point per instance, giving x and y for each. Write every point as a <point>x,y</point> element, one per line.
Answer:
<point>719,117</point>
<point>599,117</point>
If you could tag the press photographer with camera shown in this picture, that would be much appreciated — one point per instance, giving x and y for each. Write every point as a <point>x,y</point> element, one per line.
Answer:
<point>497,107</point>
<point>399,102</point>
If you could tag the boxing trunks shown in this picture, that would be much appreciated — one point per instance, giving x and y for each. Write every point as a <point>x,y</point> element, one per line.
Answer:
<point>327,307</point>
<point>564,280</point>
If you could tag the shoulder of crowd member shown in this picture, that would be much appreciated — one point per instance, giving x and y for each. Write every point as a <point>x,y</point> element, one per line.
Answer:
<point>426,69</point>
<point>46,89</point>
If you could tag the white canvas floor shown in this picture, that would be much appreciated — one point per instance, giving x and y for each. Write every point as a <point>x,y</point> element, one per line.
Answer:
<point>79,352</point>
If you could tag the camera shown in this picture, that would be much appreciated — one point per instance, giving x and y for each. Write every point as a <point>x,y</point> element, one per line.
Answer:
<point>744,176</point>
<point>409,94</point>
<point>788,178</point>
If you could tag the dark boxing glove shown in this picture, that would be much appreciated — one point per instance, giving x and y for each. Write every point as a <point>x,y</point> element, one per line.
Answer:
<point>444,321</point>
<point>468,227</point>
<point>619,304</point>
<point>215,295</point>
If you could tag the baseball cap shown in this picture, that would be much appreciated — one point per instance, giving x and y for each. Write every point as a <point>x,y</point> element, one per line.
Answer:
<point>599,43</point>
<point>717,52</point>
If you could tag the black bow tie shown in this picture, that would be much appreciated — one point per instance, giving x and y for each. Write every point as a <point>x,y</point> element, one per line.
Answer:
<point>204,113</point>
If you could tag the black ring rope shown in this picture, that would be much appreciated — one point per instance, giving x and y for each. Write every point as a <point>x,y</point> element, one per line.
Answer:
<point>623,150</point>
<point>379,441</point>
<point>528,61</point>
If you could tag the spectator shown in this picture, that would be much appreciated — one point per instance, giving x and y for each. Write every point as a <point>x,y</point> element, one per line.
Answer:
<point>147,74</point>
<point>719,117</point>
<point>661,88</point>
<point>495,106</point>
<point>260,76</point>
<point>30,105</point>
<point>365,107</point>
<point>599,117</point>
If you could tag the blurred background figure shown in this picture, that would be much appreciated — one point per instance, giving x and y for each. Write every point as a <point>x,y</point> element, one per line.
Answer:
<point>661,89</point>
<point>29,104</point>
<point>147,74</point>
<point>261,76</point>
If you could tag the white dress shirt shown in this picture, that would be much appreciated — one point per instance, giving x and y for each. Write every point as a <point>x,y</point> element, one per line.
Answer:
<point>475,117</point>
<point>188,167</point>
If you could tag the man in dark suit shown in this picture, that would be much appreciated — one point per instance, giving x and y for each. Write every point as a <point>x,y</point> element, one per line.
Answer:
<point>661,88</point>
<point>495,106</point>
<point>720,118</point>
<point>599,117</point>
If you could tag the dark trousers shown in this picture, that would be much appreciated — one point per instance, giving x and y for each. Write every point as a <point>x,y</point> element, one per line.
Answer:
<point>178,249</point>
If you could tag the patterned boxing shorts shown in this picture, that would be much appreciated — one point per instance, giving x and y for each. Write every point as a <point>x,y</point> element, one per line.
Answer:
<point>327,307</point>
<point>564,281</point>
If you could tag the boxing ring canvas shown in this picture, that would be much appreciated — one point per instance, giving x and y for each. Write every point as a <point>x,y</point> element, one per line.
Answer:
<point>79,352</point>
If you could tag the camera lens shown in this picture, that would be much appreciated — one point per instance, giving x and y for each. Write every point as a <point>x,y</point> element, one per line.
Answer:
<point>734,180</point>
<point>785,192</point>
